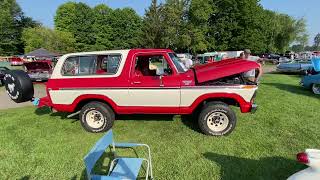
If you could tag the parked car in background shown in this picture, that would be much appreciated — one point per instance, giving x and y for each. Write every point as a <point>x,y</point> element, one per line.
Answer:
<point>16,61</point>
<point>311,82</point>
<point>284,60</point>
<point>2,73</point>
<point>311,158</point>
<point>273,56</point>
<point>39,70</point>
<point>289,55</point>
<point>301,67</point>
<point>206,57</point>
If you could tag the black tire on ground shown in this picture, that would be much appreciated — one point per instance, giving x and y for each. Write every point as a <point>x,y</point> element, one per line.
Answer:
<point>96,117</point>
<point>217,119</point>
<point>19,86</point>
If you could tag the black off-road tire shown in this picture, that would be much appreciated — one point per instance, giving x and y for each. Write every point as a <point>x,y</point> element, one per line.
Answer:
<point>215,113</point>
<point>18,86</point>
<point>103,111</point>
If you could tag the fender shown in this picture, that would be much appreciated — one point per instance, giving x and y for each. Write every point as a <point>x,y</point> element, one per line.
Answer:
<point>244,106</point>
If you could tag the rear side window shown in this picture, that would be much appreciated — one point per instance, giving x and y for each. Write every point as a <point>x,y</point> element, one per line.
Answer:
<point>91,65</point>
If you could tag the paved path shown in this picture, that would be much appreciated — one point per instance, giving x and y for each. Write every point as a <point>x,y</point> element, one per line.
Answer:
<point>6,102</point>
<point>269,68</point>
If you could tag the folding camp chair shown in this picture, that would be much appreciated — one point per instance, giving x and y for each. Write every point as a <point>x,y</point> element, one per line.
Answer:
<point>120,167</point>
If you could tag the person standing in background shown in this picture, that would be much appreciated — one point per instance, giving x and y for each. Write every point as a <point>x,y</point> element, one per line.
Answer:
<point>188,63</point>
<point>251,75</point>
<point>241,55</point>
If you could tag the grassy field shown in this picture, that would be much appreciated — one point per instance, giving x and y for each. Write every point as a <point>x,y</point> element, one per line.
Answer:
<point>37,145</point>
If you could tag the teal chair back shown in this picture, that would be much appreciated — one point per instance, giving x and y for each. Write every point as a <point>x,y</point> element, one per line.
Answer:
<point>96,152</point>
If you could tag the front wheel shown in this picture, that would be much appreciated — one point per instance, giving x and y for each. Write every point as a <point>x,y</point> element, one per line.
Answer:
<point>96,117</point>
<point>217,119</point>
<point>316,88</point>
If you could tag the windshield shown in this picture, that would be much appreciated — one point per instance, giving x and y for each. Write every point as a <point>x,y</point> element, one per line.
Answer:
<point>176,61</point>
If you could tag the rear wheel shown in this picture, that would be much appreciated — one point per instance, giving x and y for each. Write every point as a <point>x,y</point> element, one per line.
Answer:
<point>316,88</point>
<point>96,117</point>
<point>217,119</point>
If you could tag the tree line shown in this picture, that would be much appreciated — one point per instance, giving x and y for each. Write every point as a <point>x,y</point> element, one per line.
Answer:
<point>194,26</point>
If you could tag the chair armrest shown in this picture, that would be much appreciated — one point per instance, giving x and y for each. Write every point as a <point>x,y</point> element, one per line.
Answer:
<point>131,145</point>
<point>99,177</point>
<point>127,145</point>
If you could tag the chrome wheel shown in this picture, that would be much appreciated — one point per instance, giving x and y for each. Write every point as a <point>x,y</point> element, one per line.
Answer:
<point>217,121</point>
<point>95,119</point>
<point>316,88</point>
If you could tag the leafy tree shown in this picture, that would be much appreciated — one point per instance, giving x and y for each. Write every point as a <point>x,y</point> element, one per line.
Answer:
<point>317,40</point>
<point>52,40</point>
<point>301,36</point>
<point>175,34</point>
<point>102,27</point>
<point>12,22</point>
<point>78,19</point>
<point>199,14</point>
<point>126,26</point>
<point>297,48</point>
<point>152,27</point>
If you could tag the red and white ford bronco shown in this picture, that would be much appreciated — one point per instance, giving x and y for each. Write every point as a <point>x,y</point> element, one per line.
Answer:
<point>98,85</point>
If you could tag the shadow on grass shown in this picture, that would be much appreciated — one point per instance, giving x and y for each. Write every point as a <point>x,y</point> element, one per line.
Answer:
<point>102,168</point>
<point>191,122</point>
<point>265,168</point>
<point>25,178</point>
<point>146,117</point>
<point>296,89</point>
<point>46,110</point>
<point>298,74</point>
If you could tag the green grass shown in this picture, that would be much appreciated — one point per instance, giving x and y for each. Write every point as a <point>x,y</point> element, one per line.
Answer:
<point>38,145</point>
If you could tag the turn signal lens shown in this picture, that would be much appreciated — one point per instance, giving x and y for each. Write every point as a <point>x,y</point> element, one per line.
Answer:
<point>303,158</point>
<point>248,86</point>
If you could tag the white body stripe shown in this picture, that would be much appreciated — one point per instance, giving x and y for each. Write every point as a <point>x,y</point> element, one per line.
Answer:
<point>119,96</point>
<point>188,96</point>
<point>148,97</point>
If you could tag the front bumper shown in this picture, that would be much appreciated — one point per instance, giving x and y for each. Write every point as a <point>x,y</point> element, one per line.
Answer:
<point>254,108</point>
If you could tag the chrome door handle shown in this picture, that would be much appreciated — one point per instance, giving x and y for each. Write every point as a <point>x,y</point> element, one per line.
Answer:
<point>136,82</point>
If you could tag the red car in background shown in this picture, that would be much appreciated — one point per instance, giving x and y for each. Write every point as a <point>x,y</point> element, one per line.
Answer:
<point>39,70</point>
<point>16,61</point>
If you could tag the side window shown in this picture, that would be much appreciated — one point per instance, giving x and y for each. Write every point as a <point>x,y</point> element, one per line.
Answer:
<point>87,65</point>
<point>108,64</point>
<point>70,66</point>
<point>91,65</point>
<point>153,65</point>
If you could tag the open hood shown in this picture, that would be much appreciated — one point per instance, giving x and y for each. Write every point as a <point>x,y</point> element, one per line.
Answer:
<point>225,68</point>
<point>38,65</point>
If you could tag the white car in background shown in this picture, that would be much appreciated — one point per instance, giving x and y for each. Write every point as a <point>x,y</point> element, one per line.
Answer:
<point>310,157</point>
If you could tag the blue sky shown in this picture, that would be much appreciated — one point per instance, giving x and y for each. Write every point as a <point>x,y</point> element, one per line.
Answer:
<point>44,10</point>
